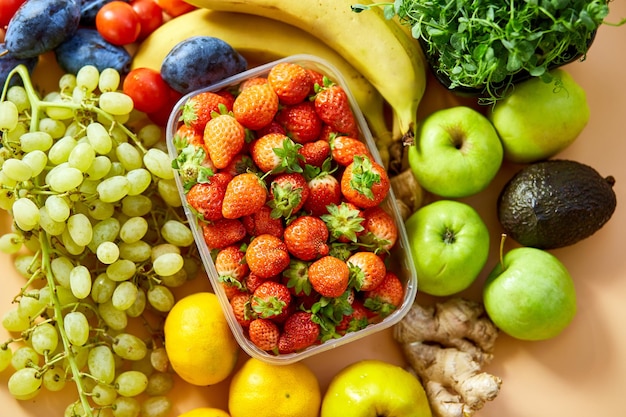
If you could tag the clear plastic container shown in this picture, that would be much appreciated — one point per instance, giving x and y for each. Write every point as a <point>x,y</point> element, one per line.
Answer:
<point>401,261</point>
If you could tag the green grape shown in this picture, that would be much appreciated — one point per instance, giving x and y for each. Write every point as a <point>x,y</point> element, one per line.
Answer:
<point>5,180</point>
<point>32,303</point>
<point>136,205</point>
<point>168,264</point>
<point>109,80</point>
<point>158,406</point>
<point>25,264</point>
<point>129,156</point>
<point>23,357</point>
<point>168,191</point>
<point>61,112</point>
<point>61,268</point>
<point>99,168</point>
<point>138,306</point>
<point>82,156</point>
<point>114,318</point>
<point>101,364</point>
<point>117,169</point>
<point>36,160</point>
<point>105,230</point>
<point>67,82</point>
<point>76,327</point>
<point>50,226</point>
<point>70,246</point>
<point>80,281</point>
<point>8,115</point>
<point>103,394</point>
<point>134,229</point>
<point>113,189</point>
<point>54,379</point>
<point>17,170</point>
<point>60,150</point>
<point>25,213</point>
<point>139,180</point>
<point>126,407</point>
<point>99,210</point>
<point>159,163</point>
<point>177,233</point>
<point>55,128</point>
<point>149,135</point>
<point>65,296</point>
<point>24,383</point>
<point>163,249</point>
<point>12,321</point>
<point>159,383</point>
<point>87,78</point>
<point>102,288</point>
<point>161,298</point>
<point>121,270</point>
<point>7,198</point>
<point>10,243</point>
<point>131,383</point>
<point>14,135</point>
<point>58,208</point>
<point>44,338</point>
<point>17,95</point>
<point>108,252</point>
<point>5,357</point>
<point>64,178</point>
<point>159,359</point>
<point>80,229</point>
<point>99,138</point>
<point>75,410</point>
<point>175,280</point>
<point>124,295</point>
<point>129,346</point>
<point>116,103</point>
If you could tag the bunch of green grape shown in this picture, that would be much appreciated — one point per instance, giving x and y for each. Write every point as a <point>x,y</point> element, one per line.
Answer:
<point>99,236</point>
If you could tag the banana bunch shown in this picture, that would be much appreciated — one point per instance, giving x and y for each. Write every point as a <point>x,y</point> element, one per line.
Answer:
<point>262,40</point>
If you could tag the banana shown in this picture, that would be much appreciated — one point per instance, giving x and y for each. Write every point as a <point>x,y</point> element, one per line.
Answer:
<point>262,40</point>
<point>377,47</point>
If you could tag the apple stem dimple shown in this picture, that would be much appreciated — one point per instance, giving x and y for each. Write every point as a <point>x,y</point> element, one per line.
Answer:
<point>449,237</point>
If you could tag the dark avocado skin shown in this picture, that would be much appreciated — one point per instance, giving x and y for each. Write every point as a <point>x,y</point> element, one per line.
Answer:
<point>555,203</point>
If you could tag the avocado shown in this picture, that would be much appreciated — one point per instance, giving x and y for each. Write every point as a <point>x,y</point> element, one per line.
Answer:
<point>555,203</point>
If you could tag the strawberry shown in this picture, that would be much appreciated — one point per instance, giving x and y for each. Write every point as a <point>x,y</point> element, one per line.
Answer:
<point>300,122</point>
<point>299,332</point>
<point>253,281</point>
<point>288,193</point>
<point>355,321</point>
<point>252,81</point>
<point>271,300</point>
<point>273,127</point>
<point>193,162</point>
<point>314,153</point>
<point>317,78</point>
<point>222,232</point>
<point>380,231</point>
<point>367,270</point>
<point>329,276</point>
<point>231,267</point>
<point>364,182</point>
<point>276,153</point>
<point>239,164</point>
<point>344,222</point>
<point>306,238</point>
<point>387,297</point>
<point>267,256</point>
<point>324,189</point>
<point>296,277</point>
<point>224,138</point>
<point>206,197</point>
<point>345,148</point>
<point>255,106</point>
<point>242,309</point>
<point>290,81</point>
<point>262,222</point>
<point>197,110</point>
<point>264,334</point>
<point>244,195</point>
<point>333,106</point>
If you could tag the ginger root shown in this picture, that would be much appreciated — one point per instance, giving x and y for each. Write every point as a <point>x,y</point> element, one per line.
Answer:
<point>446,346</point>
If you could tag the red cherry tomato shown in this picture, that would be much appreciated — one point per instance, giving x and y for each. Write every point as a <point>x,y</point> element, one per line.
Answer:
<point>7,10</point>
<point>150,16</point>
<point>147,89</point>
<point>175,7</point>
<point>161,116</point>
<point>118,23</point>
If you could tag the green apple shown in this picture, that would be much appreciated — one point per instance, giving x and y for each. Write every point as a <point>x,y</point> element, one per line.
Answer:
<point>530,295</point>
<point>539,119</point>
<point>457,152</point>
<point>371,388</point>
<point>450,245</point>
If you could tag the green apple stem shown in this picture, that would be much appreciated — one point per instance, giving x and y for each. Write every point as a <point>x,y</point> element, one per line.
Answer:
<point>502,239</point>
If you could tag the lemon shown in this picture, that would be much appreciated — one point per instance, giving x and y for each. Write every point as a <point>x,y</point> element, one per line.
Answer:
<point>205,412</point>
<point>260,389</point>
<point>199,344</point>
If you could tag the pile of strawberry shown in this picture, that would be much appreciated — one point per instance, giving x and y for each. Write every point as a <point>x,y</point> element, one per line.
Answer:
<point>289,201</point>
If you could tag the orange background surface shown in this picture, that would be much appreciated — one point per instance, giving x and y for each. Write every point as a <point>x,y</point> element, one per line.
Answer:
<point>582,372</point>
